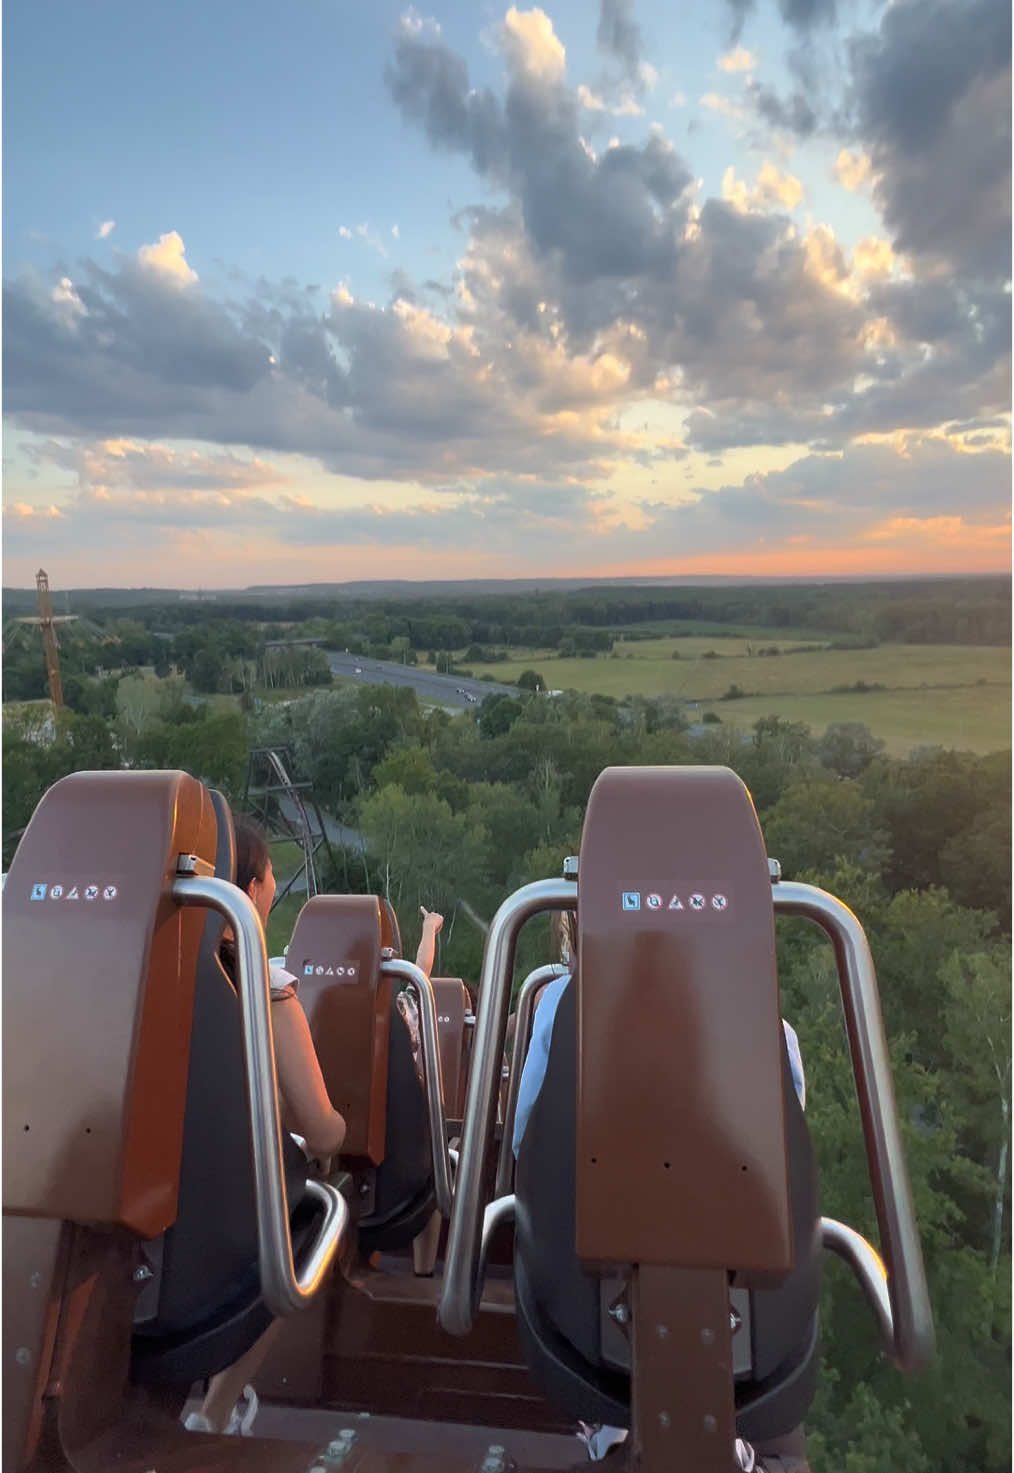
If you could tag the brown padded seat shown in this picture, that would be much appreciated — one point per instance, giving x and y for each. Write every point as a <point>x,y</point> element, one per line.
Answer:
<point>203,1308</point>
<point>365,1052</point>
<point>453,1004</point>
<point>558,1300</point>
<point>673,1138</point>
<point>97,992</point>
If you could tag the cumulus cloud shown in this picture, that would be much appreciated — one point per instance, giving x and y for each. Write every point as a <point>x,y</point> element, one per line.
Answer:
<point>773,190</point>
<point>738,59</point>
<point>532,46</point>
<point>852,169</point>
<point>105,229</point>
<point>717,102</point>
<point>793,114</point>
<point>168,257</point>
<point>625,107</point>
<point>591,281</point>
<point>132,465</point>
<point>932,109</point>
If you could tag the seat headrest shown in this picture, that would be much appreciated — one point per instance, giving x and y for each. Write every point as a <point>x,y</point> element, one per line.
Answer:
<point>681,1155</point>
<point>335,953</point>
<point>99,966</point>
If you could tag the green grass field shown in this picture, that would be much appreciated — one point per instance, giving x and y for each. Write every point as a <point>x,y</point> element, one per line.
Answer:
<point>974,719</point>
<point>949,695</point>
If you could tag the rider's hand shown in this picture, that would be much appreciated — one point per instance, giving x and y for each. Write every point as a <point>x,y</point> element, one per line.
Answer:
<point>432,919</point>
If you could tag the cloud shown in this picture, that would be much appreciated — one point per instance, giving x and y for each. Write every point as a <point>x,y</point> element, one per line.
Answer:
<point>716,102</point>
<point>130,465</point>
<point>105,229</point>
<point>774,189</point>
<point>168,258</point>
<point>804,16</point>
<point>65,298</point>
<point>891,495</point>
<point>619,36</point>
<point>792,115</point>
<point>626,107</point>
<point>931,100</point>
<point>532,46</point>
<point>737,60</point>
<point>852,169</point>
<point>590,284</point>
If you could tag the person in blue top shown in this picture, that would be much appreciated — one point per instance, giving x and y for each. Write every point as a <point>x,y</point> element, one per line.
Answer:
<point>600,1440</point>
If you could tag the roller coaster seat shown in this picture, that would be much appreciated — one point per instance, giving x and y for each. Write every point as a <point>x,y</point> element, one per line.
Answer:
<point>570,1341</point>
<point>202,1308</point>
<point>676,1005</point>
<point>454,1006</point>
<point>366,1058</point>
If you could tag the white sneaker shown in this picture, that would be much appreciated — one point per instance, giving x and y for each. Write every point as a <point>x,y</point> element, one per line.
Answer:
<point>195,1422</point>
<point>241,1419</point>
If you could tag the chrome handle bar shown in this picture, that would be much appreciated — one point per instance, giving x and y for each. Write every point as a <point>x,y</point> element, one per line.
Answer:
<point>283,1289</point>
<point>864,1261</point>
<point>462,1287</point>
<point>409,972</point>
<point>910,1340</point>
<point>522,1037</point>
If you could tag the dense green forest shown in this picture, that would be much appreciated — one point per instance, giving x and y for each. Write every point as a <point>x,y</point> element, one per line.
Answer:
<point>456,811</point>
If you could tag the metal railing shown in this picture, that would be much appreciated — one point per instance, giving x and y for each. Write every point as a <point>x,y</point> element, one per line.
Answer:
<point>409,972</point>
<point>909,1338</point>
<point>284,1290</point>
<point>522,1036</point>
<point>461,1288</point>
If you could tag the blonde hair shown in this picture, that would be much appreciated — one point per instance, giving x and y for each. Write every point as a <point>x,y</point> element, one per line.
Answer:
<point>565,935</point>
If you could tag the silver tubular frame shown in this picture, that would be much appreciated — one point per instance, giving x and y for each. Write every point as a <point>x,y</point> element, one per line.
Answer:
<point>284,1290</point>
<point>522,1038</point>
<point>864,1261</point>
<point>499,1211</point>
<point>909,1336</point>
<point>409,972</point>
<point>462,1286</point>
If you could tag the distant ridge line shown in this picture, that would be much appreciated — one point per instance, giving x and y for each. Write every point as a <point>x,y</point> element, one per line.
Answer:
<point>434,587</point>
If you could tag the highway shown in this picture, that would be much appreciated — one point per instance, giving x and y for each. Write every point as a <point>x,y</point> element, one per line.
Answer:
<point>435,690</point>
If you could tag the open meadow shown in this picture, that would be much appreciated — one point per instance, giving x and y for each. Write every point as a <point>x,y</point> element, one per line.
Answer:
<point>947,695</point>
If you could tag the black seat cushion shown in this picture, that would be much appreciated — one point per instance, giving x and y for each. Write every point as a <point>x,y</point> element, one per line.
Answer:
<point>403,1198</point>
<point>208,1267</point>
<point>559,1311</point>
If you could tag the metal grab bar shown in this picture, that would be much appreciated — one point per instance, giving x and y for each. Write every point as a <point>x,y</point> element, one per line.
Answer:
<point>499,1211</point>
<point>522,1037</point>
<point>283,1289</point>
<point>459,1298</point>
<point>909,1336</point>
<point>865,1263</point>
<point>409,972</point>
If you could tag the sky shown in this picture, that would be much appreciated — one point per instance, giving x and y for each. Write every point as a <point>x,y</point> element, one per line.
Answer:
<point>326,291</point>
